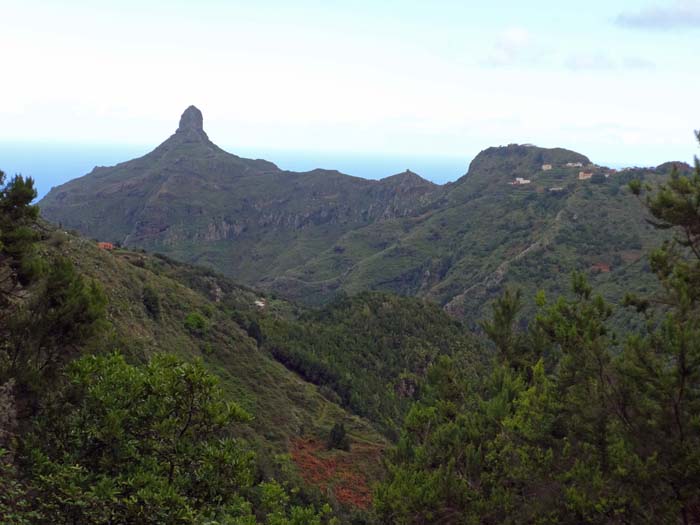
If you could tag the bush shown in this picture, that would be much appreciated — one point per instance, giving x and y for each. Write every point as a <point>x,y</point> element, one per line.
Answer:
<point>338,438</point>
<point>151,302</point>
<point>196,324</point>
<point>255,332</point>
<point>57,239</point>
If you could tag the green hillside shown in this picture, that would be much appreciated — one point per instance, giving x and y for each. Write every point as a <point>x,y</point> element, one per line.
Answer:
<point>140,389</point>
<point>309,236</point>
<point>370,352</point>
<point>301,374</point>
<point>250,220</point>
<point>486,235</point>
<point>281,402</point>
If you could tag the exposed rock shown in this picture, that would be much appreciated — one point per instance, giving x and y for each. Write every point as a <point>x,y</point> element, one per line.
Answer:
<point>191,120</point>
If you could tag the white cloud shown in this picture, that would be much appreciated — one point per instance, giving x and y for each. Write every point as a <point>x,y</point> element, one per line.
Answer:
<point>677,15</point>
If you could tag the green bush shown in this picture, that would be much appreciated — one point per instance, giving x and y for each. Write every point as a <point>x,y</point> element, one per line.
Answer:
<point>151,302</point>
<point>196,324</point>
<point>338,438</point>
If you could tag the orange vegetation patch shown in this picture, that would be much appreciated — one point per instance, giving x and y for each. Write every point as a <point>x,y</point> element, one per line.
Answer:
<point>600,267</point>
<point>343,473</point>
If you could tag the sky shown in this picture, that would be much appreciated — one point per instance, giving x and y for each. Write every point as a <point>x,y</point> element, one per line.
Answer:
<point>616,80</point>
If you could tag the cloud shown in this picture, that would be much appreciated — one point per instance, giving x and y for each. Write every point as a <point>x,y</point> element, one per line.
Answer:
<point>678,15</point>
<point>514,46</point>
<point>605,62</point>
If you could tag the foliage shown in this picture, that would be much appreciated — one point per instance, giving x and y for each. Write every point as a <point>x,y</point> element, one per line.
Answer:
<point>255,332</point>
<point>196,324</point>
<point>338,438</point>
<point>151,302</point>
<point>572,424</point>
<point>390,340</point>
<point>87,437</point>
<point>315,234</point>
<point>49,329</point>
<point>147,444</point>
<point>17,236</point>
<point>569,422</point>
<point>15,503</point>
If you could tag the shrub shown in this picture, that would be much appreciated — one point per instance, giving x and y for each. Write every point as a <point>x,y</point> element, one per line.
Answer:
<point>196,324</point>
<point>255,332</point>
<point>57,239</point>
<point>151,302</point>
<point>338,438</point>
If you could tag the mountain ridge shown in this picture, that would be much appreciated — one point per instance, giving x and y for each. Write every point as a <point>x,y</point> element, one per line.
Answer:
<point>309,235</point>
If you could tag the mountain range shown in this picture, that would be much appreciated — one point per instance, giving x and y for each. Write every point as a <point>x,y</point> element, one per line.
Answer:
<point>522,215</point>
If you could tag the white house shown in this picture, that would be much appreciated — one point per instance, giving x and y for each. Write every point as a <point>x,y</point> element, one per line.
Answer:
<point>519,181</point>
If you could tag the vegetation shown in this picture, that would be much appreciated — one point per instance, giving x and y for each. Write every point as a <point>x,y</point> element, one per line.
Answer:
<point>338,438</point>
<point>570,423</point>
<point>136,389</point>
<point>148,444</point>
<point>90,434</point>
<point>152,302</point>
<point>196,323</point>
<point>369,352</point>
<point>16,235</point>
<point>309,236</point>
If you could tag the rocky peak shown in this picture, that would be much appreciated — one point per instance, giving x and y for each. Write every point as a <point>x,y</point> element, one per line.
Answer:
<point>191,126</point>
<point>191,120</point>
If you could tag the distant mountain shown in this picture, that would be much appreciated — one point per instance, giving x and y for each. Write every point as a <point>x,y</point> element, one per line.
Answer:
<point>309,235</point>
<point>191,199</point>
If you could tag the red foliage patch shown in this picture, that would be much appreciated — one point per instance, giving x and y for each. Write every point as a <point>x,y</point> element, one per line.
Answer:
<point>340,472</point>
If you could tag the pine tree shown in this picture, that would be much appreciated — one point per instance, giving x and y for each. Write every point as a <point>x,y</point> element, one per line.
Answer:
<point>661,369</point>
<point>17,235</point>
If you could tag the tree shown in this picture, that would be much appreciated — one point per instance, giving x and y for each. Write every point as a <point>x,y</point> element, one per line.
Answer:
<point>607,432</point>
<point>17,235</point>
<point>501,329</point>
<point>52,326</point>
<point>255,332</point>
<point>661,369</point>
<point>151,302</point>
<point>338,438</point>
<point>149,444</point>
<point>515,444</point>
